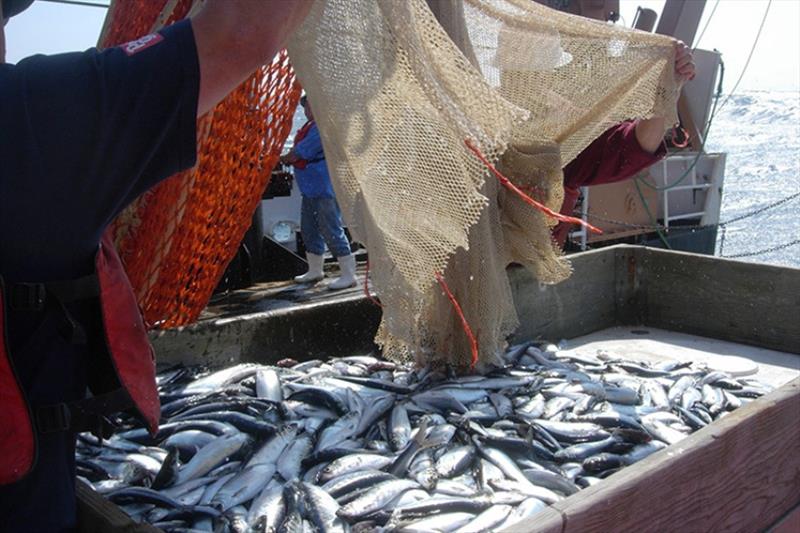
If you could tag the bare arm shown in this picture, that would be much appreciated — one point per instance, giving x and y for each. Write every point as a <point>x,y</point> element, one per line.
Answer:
<point>235,37</point>
<point>650,132</point>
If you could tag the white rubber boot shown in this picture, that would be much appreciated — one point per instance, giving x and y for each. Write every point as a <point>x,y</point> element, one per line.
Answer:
<point>347,264</point>
<point>315,272</point>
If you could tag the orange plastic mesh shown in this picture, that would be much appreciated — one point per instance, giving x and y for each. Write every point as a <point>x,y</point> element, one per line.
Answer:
<point>178,238</point>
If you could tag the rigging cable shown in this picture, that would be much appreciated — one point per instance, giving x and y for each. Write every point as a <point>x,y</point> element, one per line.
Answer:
<point>765,250</point>
<point>724,227</point>
<point>703,31</point>
<point>750,56</point>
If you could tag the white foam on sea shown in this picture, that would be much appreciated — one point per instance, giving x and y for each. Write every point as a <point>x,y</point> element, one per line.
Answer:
<point>760,131</point>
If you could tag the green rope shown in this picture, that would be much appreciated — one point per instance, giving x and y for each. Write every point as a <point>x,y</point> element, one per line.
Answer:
<point>652,218</point>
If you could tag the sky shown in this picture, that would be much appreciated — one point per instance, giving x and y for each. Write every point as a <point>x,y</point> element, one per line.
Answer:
<point>51,28</point>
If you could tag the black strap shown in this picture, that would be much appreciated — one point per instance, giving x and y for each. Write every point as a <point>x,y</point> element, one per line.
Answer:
<point>74,290</point>
<point>90,414</point>
<point>24,296</point>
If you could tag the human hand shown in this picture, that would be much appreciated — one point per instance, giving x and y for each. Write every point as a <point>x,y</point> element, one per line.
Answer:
<point>235,37</point>
<point>684,63</point>
<point>289,158</point>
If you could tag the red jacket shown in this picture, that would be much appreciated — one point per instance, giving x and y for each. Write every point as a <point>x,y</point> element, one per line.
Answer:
<point>131,354</point>
<point>614,156</point>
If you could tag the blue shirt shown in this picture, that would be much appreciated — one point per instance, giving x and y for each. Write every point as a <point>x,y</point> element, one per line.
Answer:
<point>314,180</point>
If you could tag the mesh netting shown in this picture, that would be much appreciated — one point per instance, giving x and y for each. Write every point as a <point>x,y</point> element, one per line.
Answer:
<point>177,239</point>
<point>395,100</point>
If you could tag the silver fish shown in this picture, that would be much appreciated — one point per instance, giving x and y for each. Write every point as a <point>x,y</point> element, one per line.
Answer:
<point>210,456</point>
<point>376,498</point>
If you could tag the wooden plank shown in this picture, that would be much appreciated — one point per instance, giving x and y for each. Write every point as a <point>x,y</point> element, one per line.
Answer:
<point>621,202</point>
<point>790,523</point>
<point>98,515</point>
<point>579,305</point>
<point>332,327</point>
<point>741,473</point>
<point>732,300</point>
<point>548,520</point>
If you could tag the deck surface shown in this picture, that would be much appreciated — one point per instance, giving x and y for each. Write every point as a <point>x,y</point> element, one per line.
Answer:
<point>640,342</point>
<point>274,295</point>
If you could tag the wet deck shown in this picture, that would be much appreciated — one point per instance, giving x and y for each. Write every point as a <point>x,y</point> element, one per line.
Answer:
<point>279,295</point>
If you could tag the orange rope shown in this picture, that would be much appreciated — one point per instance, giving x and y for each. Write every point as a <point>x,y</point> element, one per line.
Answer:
<point>527,199</point>
<point>366,288</point>
<point>468,330</point>
<point>686,137</point>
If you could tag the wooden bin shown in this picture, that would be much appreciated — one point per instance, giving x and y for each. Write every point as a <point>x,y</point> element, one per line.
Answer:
<point>741,473</point>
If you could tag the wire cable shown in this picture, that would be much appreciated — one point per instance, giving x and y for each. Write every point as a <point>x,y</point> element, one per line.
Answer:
<point>703,31</point>
<point>749,57</point>
<point>761,209</point>
<point>765,250</point>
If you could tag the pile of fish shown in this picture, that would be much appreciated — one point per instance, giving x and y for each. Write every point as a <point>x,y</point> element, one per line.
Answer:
<point>362,444</point>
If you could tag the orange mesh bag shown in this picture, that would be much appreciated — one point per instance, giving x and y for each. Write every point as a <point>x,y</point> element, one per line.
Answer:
<point>177,239</point>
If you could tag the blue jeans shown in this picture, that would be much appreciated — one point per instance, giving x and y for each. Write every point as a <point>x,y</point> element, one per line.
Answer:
<point>321,224</point>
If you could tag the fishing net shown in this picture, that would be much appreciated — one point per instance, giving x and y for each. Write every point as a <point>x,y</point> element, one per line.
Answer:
<point>406,115</point>
<point>177,239</point>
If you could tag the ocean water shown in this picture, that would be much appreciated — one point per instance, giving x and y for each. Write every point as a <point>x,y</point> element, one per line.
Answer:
<point>760,132</point>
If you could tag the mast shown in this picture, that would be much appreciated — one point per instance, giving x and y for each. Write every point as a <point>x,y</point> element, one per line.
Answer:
<point>681,18</point>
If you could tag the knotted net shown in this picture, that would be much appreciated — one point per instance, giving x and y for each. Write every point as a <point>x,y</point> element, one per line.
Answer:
<point>405,112</point>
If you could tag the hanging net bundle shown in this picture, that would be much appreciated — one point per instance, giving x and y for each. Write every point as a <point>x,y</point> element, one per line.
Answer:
<point>446,144</point>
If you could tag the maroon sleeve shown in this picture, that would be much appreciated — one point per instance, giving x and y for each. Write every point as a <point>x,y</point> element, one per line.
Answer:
<point>613,156</point>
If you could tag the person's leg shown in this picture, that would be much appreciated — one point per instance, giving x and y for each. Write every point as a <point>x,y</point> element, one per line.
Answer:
<point>313,240</point>
<point>332,228</point>
<point>329,218</point>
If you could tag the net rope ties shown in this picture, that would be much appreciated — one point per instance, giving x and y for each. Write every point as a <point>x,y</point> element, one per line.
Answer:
<point>467,330</point>
<point>527,199</point>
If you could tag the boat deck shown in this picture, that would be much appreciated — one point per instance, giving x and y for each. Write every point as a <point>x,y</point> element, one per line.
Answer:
<point>771,367</point>
<point>278,295</point>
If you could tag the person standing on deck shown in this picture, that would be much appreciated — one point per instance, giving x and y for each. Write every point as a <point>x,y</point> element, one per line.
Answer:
<point>623,150</point>
<point>320,216</point>
<point>81,136</point>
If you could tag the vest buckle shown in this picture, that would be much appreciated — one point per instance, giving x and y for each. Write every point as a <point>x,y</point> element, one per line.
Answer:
<point>27,296</point>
